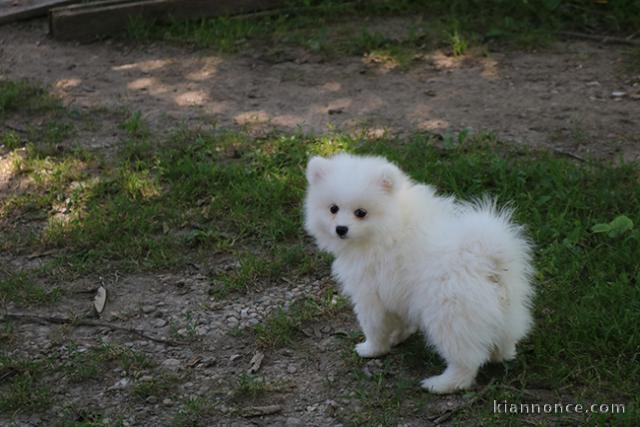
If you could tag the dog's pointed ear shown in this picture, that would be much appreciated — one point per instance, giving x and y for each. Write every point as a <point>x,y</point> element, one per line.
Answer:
<point>389,178</point>
<point>317,169</point>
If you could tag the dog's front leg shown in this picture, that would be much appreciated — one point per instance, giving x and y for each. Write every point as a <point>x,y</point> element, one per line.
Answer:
<point>376,325</point>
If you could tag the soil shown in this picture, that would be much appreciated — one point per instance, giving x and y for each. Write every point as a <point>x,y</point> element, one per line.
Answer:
<point>575,97</point>
<point>564,98</point>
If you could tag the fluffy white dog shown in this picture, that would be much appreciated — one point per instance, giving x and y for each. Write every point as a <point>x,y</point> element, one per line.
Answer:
<point>410,259</point>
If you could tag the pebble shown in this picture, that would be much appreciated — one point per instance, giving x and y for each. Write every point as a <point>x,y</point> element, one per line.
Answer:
<point>147,309</point>
<point>167,402</point>
<point>159,323</point>
<point>293,422</point>
<point>172,364</point>
<point>292,369</point>
<point>120,384</point>
<point>235,357</point>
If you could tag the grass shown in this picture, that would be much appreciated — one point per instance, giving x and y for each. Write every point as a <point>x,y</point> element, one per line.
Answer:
<point>282,327</point>
<point>22,96</point>
<point>198,195</point>
<point>327,27</point>
<point>193,413</point>
<point>160,386</point>
<point>93,363</point>
<point>23,391</point>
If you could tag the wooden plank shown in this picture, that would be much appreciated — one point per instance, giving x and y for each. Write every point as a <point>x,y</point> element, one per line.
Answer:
<point>88,21</point>
<point>16,10</point>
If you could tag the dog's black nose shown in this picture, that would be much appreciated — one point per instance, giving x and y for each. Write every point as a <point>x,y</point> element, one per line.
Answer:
<point>342,230</point>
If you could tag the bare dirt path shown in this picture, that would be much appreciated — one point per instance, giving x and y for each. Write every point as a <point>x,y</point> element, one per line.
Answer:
<point>560,98</point>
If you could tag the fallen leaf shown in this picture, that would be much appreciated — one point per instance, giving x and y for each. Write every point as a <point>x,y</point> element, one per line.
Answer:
<point>100,300</point>
<point>256,362</point>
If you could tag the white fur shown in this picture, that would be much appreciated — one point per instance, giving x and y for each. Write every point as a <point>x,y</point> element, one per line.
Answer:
<point>459,272</point>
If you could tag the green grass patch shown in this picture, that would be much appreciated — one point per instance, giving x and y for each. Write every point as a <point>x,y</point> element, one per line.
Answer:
<point>328,26</point>
<point>162,385</point>
<point>193,412</point>
<point>24,97</point>
<point>22,390</point>
<point>284,325</point>
<point>23,288</point>
<point>93,363</point>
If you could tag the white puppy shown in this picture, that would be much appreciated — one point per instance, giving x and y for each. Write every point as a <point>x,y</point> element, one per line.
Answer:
<point>410,259</point>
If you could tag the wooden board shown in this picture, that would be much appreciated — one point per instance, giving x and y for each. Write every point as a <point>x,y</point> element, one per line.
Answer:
<point>87,21</point>
<point>15,10</point>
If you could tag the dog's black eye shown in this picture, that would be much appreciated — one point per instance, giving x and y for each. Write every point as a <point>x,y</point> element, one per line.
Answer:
<point>334,209</point>
<point>360,213</point>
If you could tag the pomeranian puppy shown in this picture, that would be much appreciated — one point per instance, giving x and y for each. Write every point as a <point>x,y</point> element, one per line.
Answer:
<point>410,259</point>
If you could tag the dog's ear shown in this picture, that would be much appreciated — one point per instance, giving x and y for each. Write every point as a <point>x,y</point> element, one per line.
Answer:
<point>317,169</point>
<point>389,178</point>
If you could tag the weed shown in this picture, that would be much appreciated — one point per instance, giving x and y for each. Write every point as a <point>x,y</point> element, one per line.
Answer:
<point>281,327</point>
<point>22,96</point>
<point>193,413</point>
<point>22,288</point>
<point>23,391</point>
<point>160,386</point>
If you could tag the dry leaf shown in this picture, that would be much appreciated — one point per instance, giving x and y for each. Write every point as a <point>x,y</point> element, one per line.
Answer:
<point>100,300</point>
<point>256,362</point>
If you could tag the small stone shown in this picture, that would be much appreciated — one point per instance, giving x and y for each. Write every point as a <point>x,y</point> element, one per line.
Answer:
<point>159,323</point>
<point>618,94</point>
<point>254,321</point>
<point>152,400</point>
<point>293,422</point>
<point>172,364</point>
<point>120,384</point>
<point>292,369</point>
<point>147,309</point>
<point>235,357</point>
<point>167,402</point>
<point>146,378</point>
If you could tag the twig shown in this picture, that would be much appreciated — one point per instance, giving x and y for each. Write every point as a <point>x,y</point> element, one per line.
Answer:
<point>600,39</point>
<point>467,403</point>
<point>526,393</point>
<point>41,254</point>
<point>85,322</point>
<point>257,411</point>
<point>568,154</point>
<point>15,128</point>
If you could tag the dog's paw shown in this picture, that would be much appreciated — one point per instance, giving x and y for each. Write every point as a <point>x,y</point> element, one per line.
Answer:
<point>365,349</point>
<point>443,384</point>
<point>438,385</point>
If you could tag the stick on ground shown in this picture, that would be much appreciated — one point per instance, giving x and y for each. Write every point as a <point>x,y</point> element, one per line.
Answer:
<point>57,320</point>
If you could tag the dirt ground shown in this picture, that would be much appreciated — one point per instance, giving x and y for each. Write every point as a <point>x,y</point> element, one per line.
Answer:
<point>565,98</point>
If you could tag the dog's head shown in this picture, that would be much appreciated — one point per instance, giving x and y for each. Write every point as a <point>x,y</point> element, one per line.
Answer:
<point>352,200</point>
